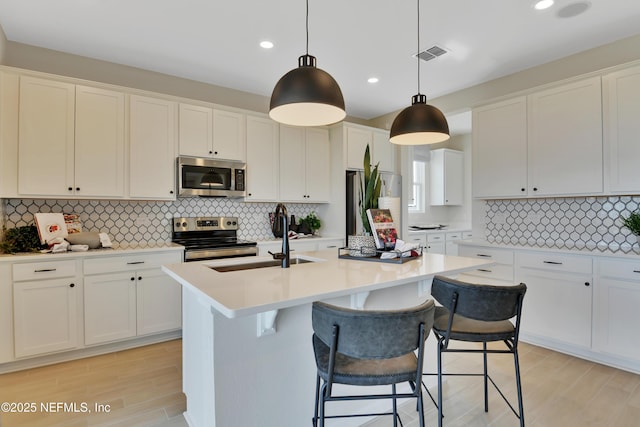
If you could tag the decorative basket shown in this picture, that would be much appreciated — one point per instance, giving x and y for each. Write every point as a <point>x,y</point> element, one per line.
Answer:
<point>361,246</point>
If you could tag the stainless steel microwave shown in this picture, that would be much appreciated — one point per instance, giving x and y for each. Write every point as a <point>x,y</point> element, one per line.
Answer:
<point>210,178</point>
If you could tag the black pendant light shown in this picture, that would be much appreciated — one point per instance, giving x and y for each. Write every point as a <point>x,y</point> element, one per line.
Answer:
<point>420,123</point>
<point>307,95</point>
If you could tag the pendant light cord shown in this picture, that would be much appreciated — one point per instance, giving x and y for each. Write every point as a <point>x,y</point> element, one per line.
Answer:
<point>307,19</point>
<point>418,51</point>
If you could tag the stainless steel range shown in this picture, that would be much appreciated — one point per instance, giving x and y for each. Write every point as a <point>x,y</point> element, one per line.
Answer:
<point>211,238</point>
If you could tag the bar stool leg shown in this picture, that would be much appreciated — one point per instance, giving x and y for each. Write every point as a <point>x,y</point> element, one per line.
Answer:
<point>519,386</point>
<point>486,388</point>
<point>439,383</point>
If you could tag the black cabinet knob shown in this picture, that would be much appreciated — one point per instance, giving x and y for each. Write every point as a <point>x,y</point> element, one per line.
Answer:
<point>587,283</point>
<point>522,189</point>
<point>535,188</point>
<point>70,189</point>
<point>77,188</point>
<point>139,277</point>
<point>215,152</point>
<point>133,278</point>
<point>210,152</point>
<point>72,285</point>
<point>170,191</point>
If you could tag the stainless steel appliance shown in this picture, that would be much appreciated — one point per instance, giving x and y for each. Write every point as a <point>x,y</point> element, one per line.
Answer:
<point>391,188</point>
<point>211,238</point>
<point>210,178</point>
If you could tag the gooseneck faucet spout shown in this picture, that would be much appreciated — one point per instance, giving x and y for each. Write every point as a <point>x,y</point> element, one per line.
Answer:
<point>286,260</point>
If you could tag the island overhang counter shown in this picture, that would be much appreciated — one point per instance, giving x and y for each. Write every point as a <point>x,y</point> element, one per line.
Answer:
<point>247,355</point>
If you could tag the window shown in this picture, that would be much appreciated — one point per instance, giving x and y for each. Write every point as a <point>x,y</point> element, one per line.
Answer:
<point>417,196</point>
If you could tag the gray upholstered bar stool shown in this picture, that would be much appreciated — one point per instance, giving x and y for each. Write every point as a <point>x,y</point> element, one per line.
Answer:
<point>478,313</point>
<point>369,348</point>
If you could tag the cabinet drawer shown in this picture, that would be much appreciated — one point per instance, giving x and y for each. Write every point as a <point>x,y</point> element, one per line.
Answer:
<point>454,236</point>
<point>129,262</point>
<point>555,262</point>
<point>44,270</point>
<point>620,269</point>
<point>437,237</point>
<point>419,237</point>
<point>467,234</point>
<point>494,272</point>
<point>497,255</point>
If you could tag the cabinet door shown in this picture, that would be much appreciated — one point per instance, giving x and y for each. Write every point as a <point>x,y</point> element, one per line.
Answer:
<point>622,127</point>
<point>109,307</point>
<point>195,130</point>
<point>357,140</point>
<point>45,137</point>
<point>565,140</point>
<point>45,316</point>
<point>99,143</point>
<point>383,151</point>
<point>318,165</point>
<point>292,164</point>
<point>262,159</point>
<point>152,151</point>
<point>446,171</point>
<point>616,318</point>
<point>500,149</point>
<point>228,135</point>
<point>436,248</point>
<point>557,306</point>
<point>159,302</point>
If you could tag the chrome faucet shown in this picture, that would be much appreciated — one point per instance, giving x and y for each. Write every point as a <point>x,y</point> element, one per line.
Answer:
<point>285,254</point>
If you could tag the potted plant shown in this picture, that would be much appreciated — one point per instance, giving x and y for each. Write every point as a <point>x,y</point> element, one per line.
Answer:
<point>370,186</point>
<point>632,222</point>
<point>311,223</point>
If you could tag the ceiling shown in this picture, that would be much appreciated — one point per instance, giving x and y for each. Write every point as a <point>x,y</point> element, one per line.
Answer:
<point>216,41</point>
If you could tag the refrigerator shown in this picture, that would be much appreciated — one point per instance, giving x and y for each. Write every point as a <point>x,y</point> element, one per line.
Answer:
<point>390,197</point>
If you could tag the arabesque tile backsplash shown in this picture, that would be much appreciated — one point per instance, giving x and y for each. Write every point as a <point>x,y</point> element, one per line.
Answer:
<point>149,221</point>
<point>591,223</point>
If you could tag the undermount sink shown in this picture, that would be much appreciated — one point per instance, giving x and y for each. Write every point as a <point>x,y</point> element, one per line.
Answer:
<point>259,264</point>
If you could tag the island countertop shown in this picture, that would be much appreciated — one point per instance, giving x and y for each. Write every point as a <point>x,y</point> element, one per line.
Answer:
<point>253,291</point>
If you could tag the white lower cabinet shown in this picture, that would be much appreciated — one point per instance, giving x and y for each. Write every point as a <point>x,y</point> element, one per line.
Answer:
<point>130,296</point>
<point>302,245</point>
<point>45,309</point>
<point>500,273</point>
<point>436,243</point>
<point>557,305</point>
<point>616,315</point>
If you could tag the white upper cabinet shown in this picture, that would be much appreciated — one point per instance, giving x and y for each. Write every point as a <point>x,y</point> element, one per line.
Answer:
<point>152,148</point>
<point>622,130</point>
<point>262,159</point>
<point>546,144</point>
<point>71,140</point>
<point>210,133</point>
<point>447,177</point>
<point>304,164</point>
<point>500,149</point>
<point>381,150</point>
<point>565,140</point>
<point>46,137</point>
<point>99,142</point>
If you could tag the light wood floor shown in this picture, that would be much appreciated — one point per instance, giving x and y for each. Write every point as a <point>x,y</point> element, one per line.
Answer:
<point>143,388</point>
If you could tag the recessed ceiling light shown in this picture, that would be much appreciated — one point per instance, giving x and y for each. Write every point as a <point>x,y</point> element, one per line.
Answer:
<point>373,80</point>
<point>543,4</point>
<point>266,44</point>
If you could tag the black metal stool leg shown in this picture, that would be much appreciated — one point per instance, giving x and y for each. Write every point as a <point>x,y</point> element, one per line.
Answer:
<point>439,383</point>
<point>486,388</point>
<point>315,409</point>
<point>519,387</point>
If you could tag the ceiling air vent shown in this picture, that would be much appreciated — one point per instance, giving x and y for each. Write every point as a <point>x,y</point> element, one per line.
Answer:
<point>431,53</point>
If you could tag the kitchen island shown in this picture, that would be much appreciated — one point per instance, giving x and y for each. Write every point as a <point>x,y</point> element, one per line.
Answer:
<point>247,355</point>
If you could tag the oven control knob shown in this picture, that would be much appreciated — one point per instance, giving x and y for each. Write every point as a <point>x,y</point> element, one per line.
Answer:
<point>228,222</point>
<point>184,224</point>
<point>177,224</point>
<point>235,223</point>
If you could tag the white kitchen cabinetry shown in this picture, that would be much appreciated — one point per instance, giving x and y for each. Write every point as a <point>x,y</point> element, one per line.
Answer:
<point>501,273</point>
<point>46,137</point>
<point>500,149</point>
<point>557,305</point>
<point>565,139</point>
<point>447,177</point>
<point>615,306</point>
<point>304,164</point>
<point>436,243</point>
<point>621,129</point>
<point>152,148</point>
<point>417,237</point>
<point>66,134</point>
<point>262,159</point>
<point>211,133</point>
<point>356,140</point>
<point>547,144</point>
<point>6,314</point>
<point>451,242</point>
<point>45,307</point>
<point>127,296</point>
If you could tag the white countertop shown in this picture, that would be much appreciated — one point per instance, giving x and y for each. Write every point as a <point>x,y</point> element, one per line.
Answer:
<point>118,249</point>
<point>248,292</point>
